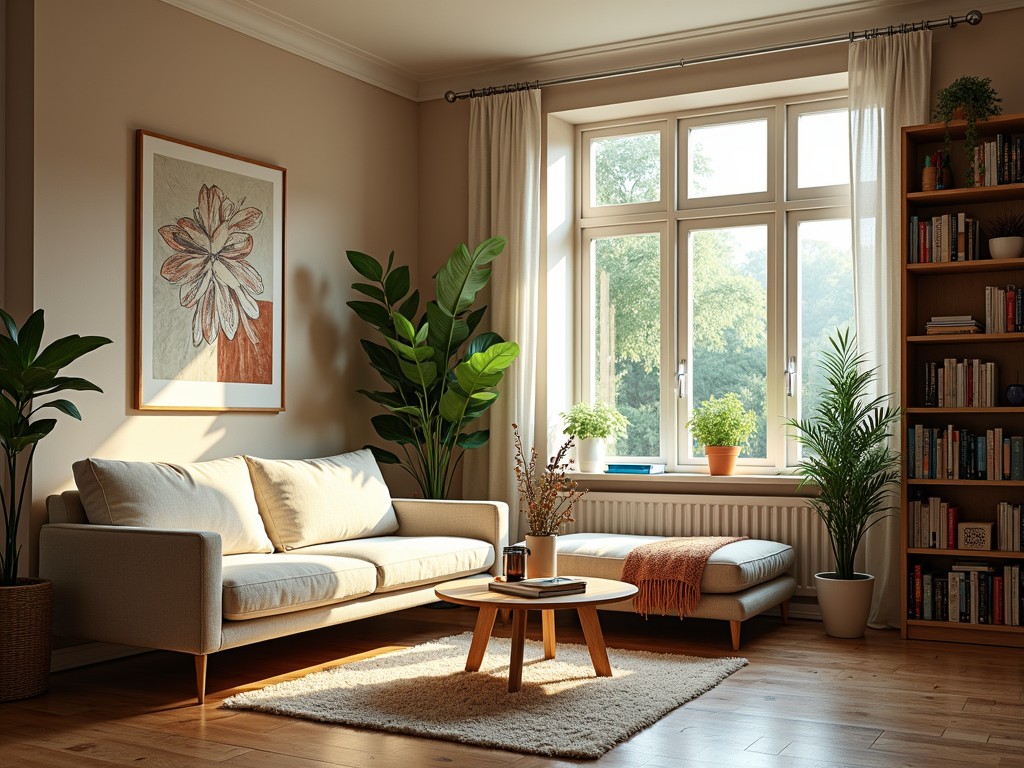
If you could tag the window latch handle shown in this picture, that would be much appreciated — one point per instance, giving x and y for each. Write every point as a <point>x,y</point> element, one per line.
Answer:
<point>791,377</point>
<point>681,379</point>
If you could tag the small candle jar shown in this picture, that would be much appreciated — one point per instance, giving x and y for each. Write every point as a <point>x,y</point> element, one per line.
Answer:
<point>514,563</point>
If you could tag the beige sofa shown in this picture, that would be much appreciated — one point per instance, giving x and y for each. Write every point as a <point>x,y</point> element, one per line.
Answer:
<point>203,557</point>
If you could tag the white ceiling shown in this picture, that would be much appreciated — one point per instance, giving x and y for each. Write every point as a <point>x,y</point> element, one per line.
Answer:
<point>417,48</point>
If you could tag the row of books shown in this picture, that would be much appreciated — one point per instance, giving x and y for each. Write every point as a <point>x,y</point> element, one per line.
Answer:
<point>1004,309</point>
<point>934,524</point>
<point>943,238</point>
<point>936,453</point>
<point>555,586</point>
<point>967,383</point>
<point>944,324</point>
<point>999,161</point>
<point>970,592</point>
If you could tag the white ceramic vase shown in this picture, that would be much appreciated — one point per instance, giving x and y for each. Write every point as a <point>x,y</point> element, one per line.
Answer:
<point>591,454</point>
<point>1006,247</point>
<point>844,603</point>
<point>542,560</point>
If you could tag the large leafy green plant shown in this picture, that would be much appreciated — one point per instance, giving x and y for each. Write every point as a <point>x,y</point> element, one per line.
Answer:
<point>848,454</point>
<point>26,374</point>
<point>441,379</point>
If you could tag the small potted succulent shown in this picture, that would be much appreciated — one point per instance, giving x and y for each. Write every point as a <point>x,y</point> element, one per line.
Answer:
<point>591,426</point>
<point>723,426</point>
<point>1006,235</point>
<point>971,99</point>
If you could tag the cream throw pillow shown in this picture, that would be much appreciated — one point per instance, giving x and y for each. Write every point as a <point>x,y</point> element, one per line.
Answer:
<point>314,501</point>
<point>207,496</point>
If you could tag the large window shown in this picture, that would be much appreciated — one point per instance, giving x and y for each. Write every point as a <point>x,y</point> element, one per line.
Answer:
<point>716,258</point>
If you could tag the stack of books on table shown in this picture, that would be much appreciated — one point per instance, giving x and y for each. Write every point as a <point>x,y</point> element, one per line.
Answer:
<point>547,587</point>
<point>952,324</point>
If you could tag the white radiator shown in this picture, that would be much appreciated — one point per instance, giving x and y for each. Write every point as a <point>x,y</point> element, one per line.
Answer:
<point>790,520</point>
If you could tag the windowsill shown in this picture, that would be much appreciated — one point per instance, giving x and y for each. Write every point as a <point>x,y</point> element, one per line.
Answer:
<point>693,482</point>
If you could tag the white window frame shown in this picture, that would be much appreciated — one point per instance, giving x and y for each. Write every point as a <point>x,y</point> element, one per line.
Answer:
<point>664,199</point>
<point>793,114</point>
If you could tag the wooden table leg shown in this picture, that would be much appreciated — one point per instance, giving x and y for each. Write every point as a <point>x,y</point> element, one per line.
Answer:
<point>481,634</point>
<point>515,667</point>
<point>548,629</point>
<point>595,640</point>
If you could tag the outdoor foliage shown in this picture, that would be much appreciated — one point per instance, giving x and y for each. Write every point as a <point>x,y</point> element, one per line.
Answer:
<point>441,377</point>
<point>26,374</point>
<point>848,454</point>
<point>584,420</point>
<point>722,421</point>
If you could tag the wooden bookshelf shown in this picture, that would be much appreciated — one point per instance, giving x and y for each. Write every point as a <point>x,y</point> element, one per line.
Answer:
<point>956,288</point>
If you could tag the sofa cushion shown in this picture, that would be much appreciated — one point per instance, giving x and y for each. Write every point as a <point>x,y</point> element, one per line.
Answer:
<point>312,501</point>
<point>731,568</point>
<point>207,496</point>
<point>408,561</point>
<point>266,585</point>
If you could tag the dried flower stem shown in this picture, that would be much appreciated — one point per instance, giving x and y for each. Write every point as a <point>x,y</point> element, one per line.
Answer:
<point>548,497</point>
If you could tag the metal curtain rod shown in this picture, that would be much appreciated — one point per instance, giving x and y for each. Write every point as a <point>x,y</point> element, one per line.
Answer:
<point>971,17</point>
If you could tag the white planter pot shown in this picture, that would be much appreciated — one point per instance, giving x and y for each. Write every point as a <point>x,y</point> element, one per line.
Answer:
<point>542,560</point>
<point>1006,247</point>
<point>844,603</point>
<point>591,454</point>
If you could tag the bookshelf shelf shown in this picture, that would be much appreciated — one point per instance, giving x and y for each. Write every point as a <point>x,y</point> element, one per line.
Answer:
<point>939,222</point>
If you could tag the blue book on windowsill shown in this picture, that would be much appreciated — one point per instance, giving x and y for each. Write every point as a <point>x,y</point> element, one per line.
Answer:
<point>636,469</point>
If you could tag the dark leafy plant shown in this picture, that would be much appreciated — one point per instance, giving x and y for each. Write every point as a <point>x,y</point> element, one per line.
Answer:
<point>1006,224</point>
<point>848,456</point>
<point>971,99</point>
<point>26,374</point>
<point>441,379</point>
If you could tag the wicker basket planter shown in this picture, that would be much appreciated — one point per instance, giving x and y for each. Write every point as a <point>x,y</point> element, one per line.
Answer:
<point>26,621</point>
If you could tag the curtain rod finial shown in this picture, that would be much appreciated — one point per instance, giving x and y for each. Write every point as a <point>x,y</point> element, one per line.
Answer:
<point>974,18</point>
<point>451,97</point>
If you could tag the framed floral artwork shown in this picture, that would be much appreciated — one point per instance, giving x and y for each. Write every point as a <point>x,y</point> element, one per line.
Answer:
<point>210,279</point>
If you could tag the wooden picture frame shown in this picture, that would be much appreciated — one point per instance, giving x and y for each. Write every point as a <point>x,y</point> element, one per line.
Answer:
<point>209,279</point>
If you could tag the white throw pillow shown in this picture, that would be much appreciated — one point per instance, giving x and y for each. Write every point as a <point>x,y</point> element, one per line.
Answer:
<point>207,496</point>
<point>314,501</point>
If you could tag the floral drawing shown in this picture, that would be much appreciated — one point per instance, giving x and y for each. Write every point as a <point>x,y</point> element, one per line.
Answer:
<point>210,265</point>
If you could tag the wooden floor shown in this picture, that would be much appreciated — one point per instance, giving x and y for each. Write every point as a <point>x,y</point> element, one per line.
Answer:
<point>804,701</point>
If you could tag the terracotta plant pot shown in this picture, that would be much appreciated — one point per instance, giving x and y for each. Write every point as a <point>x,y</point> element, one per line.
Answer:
<point>542,561</point>
<point>721,458</point>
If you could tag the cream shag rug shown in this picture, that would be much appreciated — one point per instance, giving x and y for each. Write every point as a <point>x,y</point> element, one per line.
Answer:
<point>562,710</point>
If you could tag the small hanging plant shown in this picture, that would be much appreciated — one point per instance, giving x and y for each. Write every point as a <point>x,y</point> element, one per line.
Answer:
<point>971,99</point>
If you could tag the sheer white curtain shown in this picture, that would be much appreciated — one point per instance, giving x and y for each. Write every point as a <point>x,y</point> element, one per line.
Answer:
<point>504,199</point>
<point>889,88</point>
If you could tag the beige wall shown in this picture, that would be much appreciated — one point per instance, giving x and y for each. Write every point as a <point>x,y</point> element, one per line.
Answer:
<point>104,68</point>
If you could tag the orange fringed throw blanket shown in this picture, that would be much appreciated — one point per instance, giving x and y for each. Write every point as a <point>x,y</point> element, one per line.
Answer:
<point>668,573</point>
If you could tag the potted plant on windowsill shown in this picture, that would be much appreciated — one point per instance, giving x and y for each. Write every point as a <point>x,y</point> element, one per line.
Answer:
<point>723,427</point>
<point>592,425</point>
<point>848,457</point>
<point>1006,235</point>
<point>971,99</point>
<point>26,376</point>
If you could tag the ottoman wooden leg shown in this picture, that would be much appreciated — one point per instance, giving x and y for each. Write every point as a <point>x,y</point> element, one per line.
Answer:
<point>734,630</point>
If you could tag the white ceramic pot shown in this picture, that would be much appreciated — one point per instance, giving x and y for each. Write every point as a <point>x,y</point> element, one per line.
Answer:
<point>591,454</point>
<point>542,560</point>
<point>1006,247</point>
<point>844,603</point>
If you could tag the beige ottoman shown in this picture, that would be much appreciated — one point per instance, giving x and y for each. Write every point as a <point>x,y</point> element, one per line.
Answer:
<point>741,579</point>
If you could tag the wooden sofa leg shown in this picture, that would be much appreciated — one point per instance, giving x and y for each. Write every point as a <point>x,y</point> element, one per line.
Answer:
<point>201,677</point>
<point>734,630</point>
<point>784,608</point>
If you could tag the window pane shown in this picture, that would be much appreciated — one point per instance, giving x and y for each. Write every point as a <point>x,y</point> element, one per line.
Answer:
<point>822,149</point>
<point>825,277</point>
<point>627,344</point>
<point>625,169</point>
<point>728,159</point>
<point>729,327</point>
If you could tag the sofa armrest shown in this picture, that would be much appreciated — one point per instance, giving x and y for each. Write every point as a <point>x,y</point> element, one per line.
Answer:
<point>484,520</point>
<point>146,587</point>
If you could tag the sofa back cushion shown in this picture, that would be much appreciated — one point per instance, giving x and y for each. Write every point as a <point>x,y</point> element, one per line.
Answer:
<point>313,501</point>
<point>208,496</point>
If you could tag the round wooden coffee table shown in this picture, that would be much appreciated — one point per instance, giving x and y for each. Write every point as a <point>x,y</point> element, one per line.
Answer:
<point>475,594</point>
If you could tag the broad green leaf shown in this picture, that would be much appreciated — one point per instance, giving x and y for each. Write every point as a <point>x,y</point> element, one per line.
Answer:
<point>30,336</point>
<point>366,266</point>
<point>74,383</point>
<point>482,342</point>
<point>421,374</point>
<point>483,365</point>
<point>374,314</point>
<point>464,274</point>
<point>68,349</point>
<point>387,399</point>
<point>421,334</point>
<point>473,319</point>
<point>65,406</point>
<point>473,439</point>
<point>471,381</point>
<point>10,325</point>
<point>382,456</point>
<point>446,333</point>
<point>411,305</point>
<point>453,405</point>
<point>394,428</point>
<point>396,285</point>
<point>369,290</point>
<point>404,328</point>
<point>410,410</point>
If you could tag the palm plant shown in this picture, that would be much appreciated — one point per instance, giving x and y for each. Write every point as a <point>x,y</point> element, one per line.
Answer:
<point>26,374</point>
<point>441,379</point>
<point>848,454</point>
